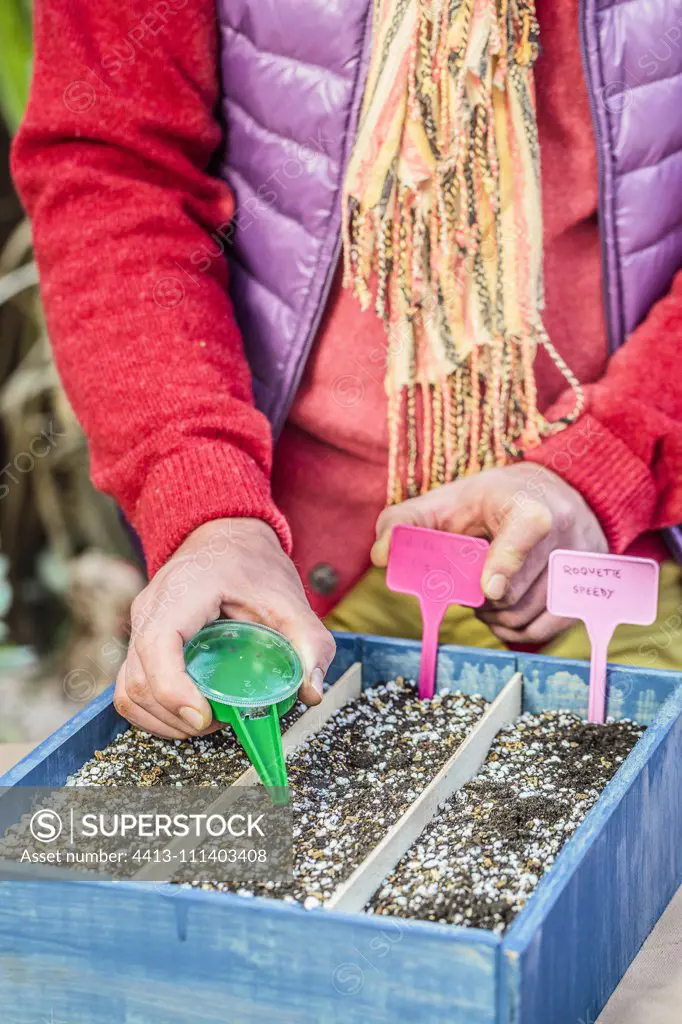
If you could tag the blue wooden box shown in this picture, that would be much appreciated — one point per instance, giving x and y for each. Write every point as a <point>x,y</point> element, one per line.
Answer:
<point>129,953</point>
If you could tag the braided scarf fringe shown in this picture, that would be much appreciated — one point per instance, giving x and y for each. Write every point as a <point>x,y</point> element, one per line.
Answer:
<point>443,235</point>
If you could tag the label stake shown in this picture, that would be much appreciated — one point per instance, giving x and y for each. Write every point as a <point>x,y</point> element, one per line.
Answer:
<point>439,569</point>
<point>603,591</point>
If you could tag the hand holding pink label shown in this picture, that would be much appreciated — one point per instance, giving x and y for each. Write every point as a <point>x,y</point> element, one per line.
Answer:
<point>439,569</point>
<point>604,591</point>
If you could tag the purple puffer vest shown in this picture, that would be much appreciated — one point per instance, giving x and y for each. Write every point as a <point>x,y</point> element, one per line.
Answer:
<point>293,74</point>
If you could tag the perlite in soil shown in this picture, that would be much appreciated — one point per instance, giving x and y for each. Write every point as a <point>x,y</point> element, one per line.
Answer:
<point>135,758</point>
<point>353,779</point>
<point>479,860</point>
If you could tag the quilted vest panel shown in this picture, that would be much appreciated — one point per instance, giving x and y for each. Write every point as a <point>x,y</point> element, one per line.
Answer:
<point>293,74</point>
<point>633,61</point>
<point>633,52</point>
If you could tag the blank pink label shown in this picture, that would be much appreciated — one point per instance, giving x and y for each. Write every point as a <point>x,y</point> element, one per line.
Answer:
<point>436,566</point>
<point>602,589</point>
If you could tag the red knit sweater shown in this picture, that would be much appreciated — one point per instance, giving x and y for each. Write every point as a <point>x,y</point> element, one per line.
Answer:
<point>112,161</point>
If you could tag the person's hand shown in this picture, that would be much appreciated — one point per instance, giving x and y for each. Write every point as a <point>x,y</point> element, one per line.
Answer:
<point>527,511</point>
<point>231,568</point>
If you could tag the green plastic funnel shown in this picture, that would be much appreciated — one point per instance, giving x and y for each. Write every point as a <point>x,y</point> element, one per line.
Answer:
<point>250,675</point>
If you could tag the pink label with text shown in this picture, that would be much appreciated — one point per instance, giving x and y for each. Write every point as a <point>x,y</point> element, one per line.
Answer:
<point>437,566</point>
<point>607,588</point>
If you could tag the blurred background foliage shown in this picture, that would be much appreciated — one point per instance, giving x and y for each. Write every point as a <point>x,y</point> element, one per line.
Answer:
<point>15,59</point>
<point>66,578</point>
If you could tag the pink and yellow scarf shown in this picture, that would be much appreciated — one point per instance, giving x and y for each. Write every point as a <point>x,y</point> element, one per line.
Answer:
<point>443,234</point>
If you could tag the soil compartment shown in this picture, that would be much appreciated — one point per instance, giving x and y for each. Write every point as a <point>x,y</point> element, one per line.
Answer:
<point>136,758</point>
<point>479,860</point>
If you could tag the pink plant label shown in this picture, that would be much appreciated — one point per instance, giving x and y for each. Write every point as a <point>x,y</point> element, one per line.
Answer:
<point>604,591</point>
<point>439,569</point>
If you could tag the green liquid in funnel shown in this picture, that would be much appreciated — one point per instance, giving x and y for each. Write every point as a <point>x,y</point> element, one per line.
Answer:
<point>250,676</point>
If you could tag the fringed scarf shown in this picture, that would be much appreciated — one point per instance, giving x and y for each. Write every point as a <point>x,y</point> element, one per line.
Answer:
<point>443,234</point>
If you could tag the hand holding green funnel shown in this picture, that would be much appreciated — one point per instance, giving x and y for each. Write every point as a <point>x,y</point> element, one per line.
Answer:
<point>250,675</point>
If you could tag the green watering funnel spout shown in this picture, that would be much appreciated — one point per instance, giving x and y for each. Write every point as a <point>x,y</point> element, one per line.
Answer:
<point>250,676</point>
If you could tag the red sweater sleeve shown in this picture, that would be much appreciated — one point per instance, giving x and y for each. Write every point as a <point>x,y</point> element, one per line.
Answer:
<point>111,162</point>
<point>624,454</point>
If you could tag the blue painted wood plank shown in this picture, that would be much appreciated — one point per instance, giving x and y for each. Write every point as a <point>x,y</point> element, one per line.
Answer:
<point>469,669</point>
<point>633,692</point>
<point>128,954</point>
<point>348,651</point>
<point>567,951</point>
